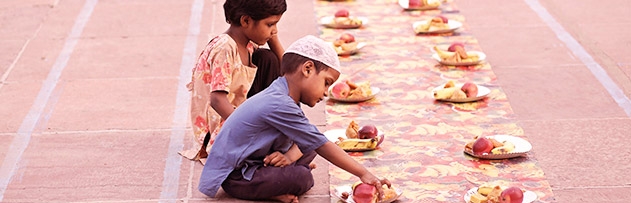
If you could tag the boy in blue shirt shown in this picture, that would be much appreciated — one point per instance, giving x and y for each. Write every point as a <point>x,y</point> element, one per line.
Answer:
<point>251,158</point>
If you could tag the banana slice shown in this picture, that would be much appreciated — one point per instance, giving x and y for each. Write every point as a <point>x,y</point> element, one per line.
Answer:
<point>358,144</point>
<point>507,148</point>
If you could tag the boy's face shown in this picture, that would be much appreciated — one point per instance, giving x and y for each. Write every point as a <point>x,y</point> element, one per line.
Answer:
<point>315,87</point>
<point>262,31</point>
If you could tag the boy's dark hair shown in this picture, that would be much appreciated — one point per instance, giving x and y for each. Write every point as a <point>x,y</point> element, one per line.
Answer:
<point>256,9</point>
<point>291,61</point>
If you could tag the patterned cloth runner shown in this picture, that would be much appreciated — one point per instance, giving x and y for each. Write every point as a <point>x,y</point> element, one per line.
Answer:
<point>422,154</point>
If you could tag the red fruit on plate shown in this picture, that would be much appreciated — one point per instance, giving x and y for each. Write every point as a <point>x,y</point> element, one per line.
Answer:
<point>470,89</point>
<point>342,13</point>
<point>482,145</point>
<point>453,46</point>
<point>347,37</point>
<point>367,132</point>
<point>364,193</point>
<point>340,90</point>
<point>512,195</point>
<point>445,20</point>
<point>414,3</point>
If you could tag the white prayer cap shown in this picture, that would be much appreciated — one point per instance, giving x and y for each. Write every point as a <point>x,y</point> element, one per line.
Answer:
<point>317,49</point>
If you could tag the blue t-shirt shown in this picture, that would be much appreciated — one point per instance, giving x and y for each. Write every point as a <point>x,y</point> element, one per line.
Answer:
<point>267,122</point>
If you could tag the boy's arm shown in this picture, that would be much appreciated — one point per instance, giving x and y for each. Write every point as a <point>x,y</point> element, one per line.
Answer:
<point>340,158</point>
<point>280,160</point>
<point>293,153</point>
<point>276,47</point>
<point>219,102</point>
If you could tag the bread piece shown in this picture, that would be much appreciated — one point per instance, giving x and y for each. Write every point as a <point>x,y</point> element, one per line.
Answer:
<point>478,198</point>
<point>351,130</point>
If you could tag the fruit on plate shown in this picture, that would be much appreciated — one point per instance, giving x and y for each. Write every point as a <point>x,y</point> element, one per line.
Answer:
<point>342,13</point>
<point>512,195</point>
<point>347,37</point>
<point>443,19</point>
<point>367,132</point>
<point>451,91</point>
<point>355,91</point>
<point>506,147</point>
<point>458,56</point>
<point>357,144</point>
<point>470,89</point>
<point>453,46</point>
<point>364,193</point>
<point>341,90</point>
<point>434,24</point>
<point>345,43</point>
<point>482,145</point>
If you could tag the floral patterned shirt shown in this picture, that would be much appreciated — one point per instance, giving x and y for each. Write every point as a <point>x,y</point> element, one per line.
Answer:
<point>218,68</point>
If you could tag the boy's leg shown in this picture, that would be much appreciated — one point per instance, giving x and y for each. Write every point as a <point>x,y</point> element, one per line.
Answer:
<point>268,182</point>
<point>268,69</point>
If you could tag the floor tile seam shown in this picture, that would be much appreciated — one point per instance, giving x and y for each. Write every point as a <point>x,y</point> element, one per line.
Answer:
<point>564,65</point>
<point>573,119</point>
<point>579,52</point>
<point>511,26</point>
<point>99,132</point>
<point>593,187</point>
<point>95,79</point>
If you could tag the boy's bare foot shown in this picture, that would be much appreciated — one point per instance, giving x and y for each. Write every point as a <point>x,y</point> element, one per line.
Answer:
<point>288,198</point>
<point>312,166</point>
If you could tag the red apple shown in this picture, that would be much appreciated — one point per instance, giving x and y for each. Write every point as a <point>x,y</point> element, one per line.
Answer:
<point>445,20</point>
<point>414,3</point>
<point>453,46</point>
<point>470,89</point>
<point>342,13</point>
<point>340,90</point>
<point>347,37</point>
<point>512,195</point>
<point>482,145</point>
<point>364,193</point>
<point>367,132</point>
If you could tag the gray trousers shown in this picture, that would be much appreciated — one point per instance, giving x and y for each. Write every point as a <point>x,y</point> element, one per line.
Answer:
<point>272,181</point>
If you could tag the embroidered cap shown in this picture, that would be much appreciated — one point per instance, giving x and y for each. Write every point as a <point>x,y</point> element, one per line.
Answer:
<point>317,49</point>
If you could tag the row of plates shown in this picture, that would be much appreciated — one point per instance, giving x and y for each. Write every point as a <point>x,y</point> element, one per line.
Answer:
<point>328,21</point>
<point>482,92</point>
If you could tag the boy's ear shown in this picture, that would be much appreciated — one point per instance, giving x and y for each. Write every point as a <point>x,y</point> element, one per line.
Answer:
<point>307,67</point>
<point>245,21</point>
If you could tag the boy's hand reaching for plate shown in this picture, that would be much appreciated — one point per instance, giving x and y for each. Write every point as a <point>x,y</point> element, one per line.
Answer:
<point>276,159</point>
<point>373,180</point>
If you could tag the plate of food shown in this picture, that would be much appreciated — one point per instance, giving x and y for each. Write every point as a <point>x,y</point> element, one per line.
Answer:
<point>351,92</point>
<point>347,193</point>
<point>355,138</point>
<point>497,147</point>
<point>436,25</point>
<point>419,4</point>
<point>456,55</point>
<point>460,92</point>
<point>343,20</point>
<point>495,194</point>
<point>347,45</point>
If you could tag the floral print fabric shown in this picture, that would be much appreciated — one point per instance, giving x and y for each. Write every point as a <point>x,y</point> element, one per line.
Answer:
<point>218,68</point>
<point>422,153</point>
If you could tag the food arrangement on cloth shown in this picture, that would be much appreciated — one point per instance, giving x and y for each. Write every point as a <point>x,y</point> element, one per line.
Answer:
<point>497,147</point>
<point>419,4</point>
<point>365,193</point>
<point>355,138</point>
<point>456,55</point>
<point>342,20</point>
<point>347,45</point>
<point>489,193</point>
<point>460,92</point>
<point>348,91</point>
<point>436,25</point>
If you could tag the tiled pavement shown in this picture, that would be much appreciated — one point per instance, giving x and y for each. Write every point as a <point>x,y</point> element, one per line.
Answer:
<point>91,96</point>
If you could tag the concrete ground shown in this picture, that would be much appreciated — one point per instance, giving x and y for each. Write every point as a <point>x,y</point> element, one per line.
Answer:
<point>93,101</point>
